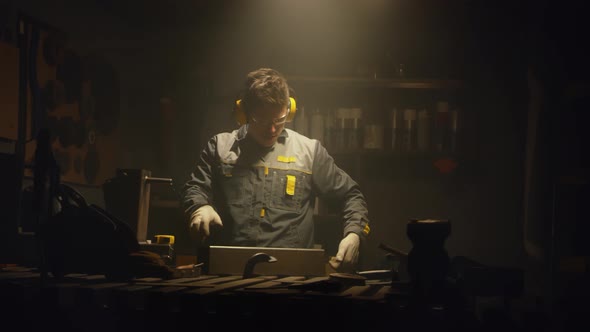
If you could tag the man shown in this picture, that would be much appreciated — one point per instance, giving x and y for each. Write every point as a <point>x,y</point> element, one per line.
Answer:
<point>256,186</point>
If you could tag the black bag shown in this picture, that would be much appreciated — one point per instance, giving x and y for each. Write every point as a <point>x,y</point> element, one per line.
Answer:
<point>84,238</point>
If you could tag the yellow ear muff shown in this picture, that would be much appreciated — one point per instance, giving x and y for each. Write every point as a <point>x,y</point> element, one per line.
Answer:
<point>239,113</point>
<point>292,109</point>
<point>242,118</point>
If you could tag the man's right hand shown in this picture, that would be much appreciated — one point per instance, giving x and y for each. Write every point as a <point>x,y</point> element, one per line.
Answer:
<point>202,220</point>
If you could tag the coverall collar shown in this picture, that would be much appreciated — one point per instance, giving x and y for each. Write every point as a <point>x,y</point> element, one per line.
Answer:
<point>243,132</point>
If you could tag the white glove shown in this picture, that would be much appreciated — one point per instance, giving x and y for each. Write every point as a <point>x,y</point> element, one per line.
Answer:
<point>348,253</point>
<point>202,220</point>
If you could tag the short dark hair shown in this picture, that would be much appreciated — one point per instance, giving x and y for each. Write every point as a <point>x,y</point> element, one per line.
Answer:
<point>265,87</point>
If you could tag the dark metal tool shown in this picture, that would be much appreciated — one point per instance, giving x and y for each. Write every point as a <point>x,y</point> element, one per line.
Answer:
<point>255,259</point>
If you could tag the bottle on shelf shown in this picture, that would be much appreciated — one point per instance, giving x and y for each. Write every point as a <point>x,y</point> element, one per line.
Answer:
<point>346,134</point>
<point>302,122</point>
<point>409,130</point>
<point>423,130</point>
<point>329,130</point>
<point>355,137</point>
<point>442,127</point>
<point>455,128</point>
<point>317,125</point>
<point>338,139</point>
<point>394,130</point>
<point>373,136</point>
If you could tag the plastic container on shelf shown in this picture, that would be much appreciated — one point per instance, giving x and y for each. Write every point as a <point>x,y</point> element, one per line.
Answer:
<point>356,115</point>
<point>394,130</point>
<point>317,125</point>
<point>442,130</point>
<point>423,130</point>
<point>373,136</point>
<point>409,131</point>
<point>347,127</point>
<point>301,122</point>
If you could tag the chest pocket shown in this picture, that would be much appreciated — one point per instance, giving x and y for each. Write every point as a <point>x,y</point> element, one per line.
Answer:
<point>236,184</point>
<point>290,189</point>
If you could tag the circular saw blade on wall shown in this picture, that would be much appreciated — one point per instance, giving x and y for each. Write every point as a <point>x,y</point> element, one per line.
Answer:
<point>104,88</point>
<point>78,99</point>
<point>70,73</point>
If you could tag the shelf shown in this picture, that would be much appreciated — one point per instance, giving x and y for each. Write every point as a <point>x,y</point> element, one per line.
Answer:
<point>386,164</point>
<point>390,153</point>
<point>397,83</point>
<point>444,160</point>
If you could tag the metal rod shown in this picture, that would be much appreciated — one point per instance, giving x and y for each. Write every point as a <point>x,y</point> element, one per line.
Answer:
<point>392,250</point>
<point>150,179</point>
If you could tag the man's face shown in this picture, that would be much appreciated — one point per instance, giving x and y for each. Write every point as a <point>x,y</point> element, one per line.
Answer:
<point>266,123</point>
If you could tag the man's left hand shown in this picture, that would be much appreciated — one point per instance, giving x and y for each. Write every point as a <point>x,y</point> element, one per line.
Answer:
<point>348,252</point>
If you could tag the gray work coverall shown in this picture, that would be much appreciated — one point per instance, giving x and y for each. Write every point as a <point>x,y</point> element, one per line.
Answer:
<point>265,196</point>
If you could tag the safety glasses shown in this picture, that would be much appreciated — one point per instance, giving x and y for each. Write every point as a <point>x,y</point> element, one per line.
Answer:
<point>274,122</point>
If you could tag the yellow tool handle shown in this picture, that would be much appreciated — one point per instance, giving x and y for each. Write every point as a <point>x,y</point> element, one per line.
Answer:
<point>164,239</point>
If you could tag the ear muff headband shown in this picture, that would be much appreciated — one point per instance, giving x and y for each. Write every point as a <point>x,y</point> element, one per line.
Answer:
<point>242,118</point>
